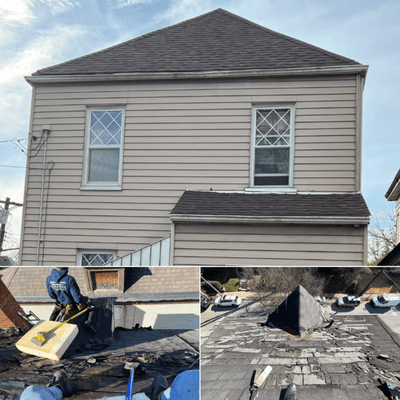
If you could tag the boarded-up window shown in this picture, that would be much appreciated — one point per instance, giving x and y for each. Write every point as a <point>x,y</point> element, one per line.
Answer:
<point>104,280</point>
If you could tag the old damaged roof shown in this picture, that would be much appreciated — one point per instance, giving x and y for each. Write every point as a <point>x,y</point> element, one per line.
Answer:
<point>342,361</point>
<point>216,41</point>
<point>100,372</point>
<point>197,203</point>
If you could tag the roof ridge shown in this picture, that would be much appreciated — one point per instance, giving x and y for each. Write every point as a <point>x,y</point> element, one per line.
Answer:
<point>338,56</point>
<point>152,33</point>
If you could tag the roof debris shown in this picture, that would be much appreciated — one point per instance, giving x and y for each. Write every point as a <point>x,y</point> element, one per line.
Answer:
<point>342,360</point>
<point>101,367</point>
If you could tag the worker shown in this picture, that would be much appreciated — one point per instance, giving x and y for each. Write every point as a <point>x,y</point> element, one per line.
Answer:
<point>184,387</point>
<point>60,388</point>
<point>69,301</point>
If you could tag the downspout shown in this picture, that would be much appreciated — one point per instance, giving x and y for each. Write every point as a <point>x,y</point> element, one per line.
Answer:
<point>172,245</point>
<point>46,132</point>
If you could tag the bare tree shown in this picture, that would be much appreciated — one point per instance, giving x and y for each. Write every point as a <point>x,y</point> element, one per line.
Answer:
<point>274,284</point>
<point>11,247</point>
<point>381,234</point>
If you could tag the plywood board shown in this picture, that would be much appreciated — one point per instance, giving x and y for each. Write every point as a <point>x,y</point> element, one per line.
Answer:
<point>56,343</point>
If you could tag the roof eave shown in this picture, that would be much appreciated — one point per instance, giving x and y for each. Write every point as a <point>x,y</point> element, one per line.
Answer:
<point>270,220</point>
<point>255,73</point>
<point>122,298</point>
<point>393,192</point>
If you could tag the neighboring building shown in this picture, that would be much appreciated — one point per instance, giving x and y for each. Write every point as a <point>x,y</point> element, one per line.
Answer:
<point>162,297</point>
<point>215,141</point>
<point>393,194</point>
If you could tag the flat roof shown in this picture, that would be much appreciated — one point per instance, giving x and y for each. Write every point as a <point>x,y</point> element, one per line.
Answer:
<point>339,362</point>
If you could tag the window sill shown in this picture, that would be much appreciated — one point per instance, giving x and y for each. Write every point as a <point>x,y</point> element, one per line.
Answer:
<point>101,188</point>
<point>266,189</point>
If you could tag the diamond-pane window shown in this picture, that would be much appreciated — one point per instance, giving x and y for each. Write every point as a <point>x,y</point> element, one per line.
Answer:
<point>272,146</point>
<point>103,153</point>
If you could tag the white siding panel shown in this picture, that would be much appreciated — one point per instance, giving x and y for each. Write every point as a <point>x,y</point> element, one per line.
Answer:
<point>190,135</point>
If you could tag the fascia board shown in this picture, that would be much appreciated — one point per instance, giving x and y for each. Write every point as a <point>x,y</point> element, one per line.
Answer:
<point>393,192</point>
<point>121,298</point>
<point>270,220</point>
<point>353,69</point>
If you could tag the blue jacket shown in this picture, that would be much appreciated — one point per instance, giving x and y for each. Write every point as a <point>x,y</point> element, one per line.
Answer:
<point>63,287</point>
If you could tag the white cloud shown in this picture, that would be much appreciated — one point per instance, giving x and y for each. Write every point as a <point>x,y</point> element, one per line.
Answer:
<point>60,6</point>
<point>183,9</point>
<point>17,11</point>
<point>127,3</point>
<point>44,50</point>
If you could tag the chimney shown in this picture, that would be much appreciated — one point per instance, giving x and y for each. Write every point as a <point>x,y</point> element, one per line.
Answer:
<point>9,308</point>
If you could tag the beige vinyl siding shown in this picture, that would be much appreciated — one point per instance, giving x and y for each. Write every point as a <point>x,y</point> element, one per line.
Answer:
<point>292,245</point>
<point>178,136</point>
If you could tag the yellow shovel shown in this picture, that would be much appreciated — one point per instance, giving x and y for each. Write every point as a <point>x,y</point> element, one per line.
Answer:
<point>40,338</point>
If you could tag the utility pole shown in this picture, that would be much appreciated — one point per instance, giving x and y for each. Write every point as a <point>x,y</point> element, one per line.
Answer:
<point>3,225</point>
<point>4,220</point>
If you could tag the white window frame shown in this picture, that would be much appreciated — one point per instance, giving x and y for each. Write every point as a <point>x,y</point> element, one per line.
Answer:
<point>104,185</point>
<point>82,252</point>
<point>271,188</point>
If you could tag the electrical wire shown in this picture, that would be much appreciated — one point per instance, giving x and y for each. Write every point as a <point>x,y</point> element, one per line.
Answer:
<point>49,167</point>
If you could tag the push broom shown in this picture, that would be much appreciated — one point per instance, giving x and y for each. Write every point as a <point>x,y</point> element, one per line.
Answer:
<point>40,338</point>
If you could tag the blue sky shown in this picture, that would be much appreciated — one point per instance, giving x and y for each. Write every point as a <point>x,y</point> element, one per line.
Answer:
<point>35,34</point>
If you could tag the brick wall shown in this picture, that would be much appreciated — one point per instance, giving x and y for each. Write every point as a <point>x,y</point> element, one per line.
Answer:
<point>8,310</point>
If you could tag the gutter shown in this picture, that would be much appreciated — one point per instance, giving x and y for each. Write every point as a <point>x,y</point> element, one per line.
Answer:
<point>122,298</point>
<point>393,192</point>
<point>270,220</point>
<point>140,76</point>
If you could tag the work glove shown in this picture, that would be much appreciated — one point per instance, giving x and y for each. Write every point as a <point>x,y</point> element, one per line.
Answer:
<point>68,311</point>
<point>59,305</point>
<point>82,306</point>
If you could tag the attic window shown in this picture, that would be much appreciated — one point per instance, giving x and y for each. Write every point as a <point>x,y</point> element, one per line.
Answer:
<point>103,149</point>
<point>272,147</point>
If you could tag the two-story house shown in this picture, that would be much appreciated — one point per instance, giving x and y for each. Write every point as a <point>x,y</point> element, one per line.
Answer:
<point>214,141</point>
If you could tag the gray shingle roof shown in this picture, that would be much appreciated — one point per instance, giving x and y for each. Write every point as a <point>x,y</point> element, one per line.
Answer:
<point>216,41</point>
<point>271,205</point>
<point>145,282</point>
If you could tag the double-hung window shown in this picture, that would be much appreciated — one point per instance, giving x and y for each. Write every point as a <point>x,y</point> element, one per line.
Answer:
<point>272,147</point>
<point>104,149</point>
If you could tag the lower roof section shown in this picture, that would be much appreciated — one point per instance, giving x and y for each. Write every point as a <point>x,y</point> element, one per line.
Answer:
<point>209,206</point>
